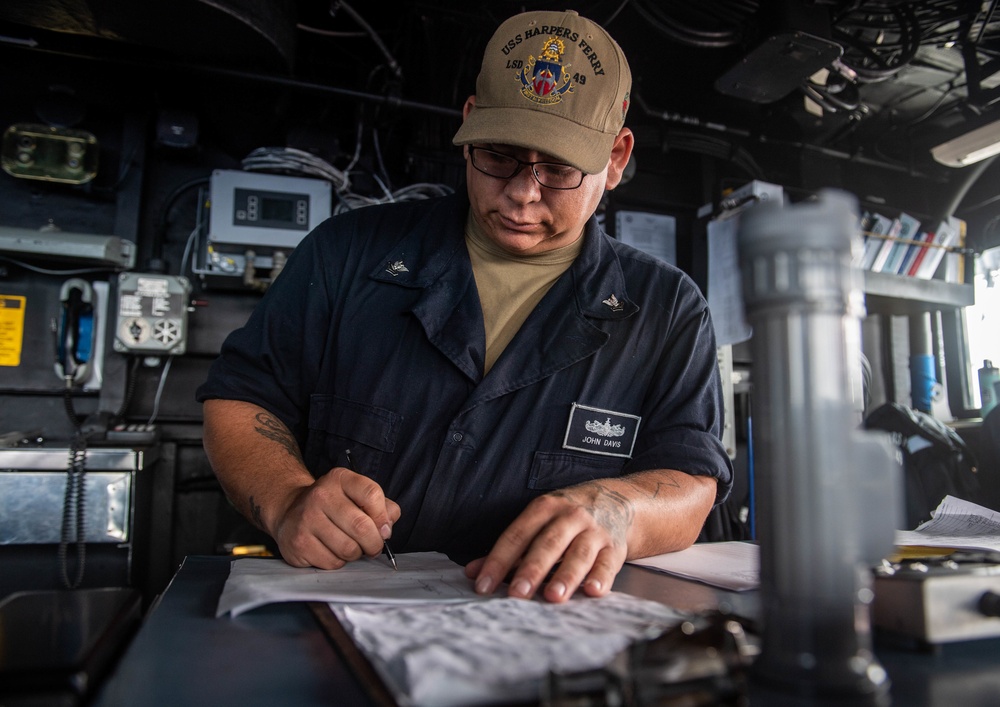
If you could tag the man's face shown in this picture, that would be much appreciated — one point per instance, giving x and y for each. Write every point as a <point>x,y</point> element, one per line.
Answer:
<point>525,218</point>
<point>522,216</point>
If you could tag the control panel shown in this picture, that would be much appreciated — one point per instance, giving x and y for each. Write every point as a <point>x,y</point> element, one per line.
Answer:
<point>254,209</point>
<point>152,314</point>
<point>255,221</point>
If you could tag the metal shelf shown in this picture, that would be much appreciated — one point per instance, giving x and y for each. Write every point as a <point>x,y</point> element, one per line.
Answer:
<point>900,295</point>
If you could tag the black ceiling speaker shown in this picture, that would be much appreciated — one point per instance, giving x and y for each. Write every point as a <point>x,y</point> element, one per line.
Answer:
<point>778,66</point>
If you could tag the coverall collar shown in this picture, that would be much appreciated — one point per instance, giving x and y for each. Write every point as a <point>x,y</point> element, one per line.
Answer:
<point>434,258</point>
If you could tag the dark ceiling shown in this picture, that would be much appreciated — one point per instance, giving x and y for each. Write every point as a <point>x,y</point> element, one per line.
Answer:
<point>730,79</point>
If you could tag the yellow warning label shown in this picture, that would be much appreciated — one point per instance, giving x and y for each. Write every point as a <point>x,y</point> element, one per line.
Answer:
<point>11,329</point>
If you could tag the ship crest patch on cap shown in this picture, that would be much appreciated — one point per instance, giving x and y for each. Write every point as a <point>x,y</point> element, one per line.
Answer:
<point>545,80</point>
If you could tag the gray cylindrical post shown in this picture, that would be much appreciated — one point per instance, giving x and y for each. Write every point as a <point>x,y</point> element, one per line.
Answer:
<point>827,493</point>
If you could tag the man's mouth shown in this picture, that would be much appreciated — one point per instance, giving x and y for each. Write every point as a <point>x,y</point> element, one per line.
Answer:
<point>520,226</point>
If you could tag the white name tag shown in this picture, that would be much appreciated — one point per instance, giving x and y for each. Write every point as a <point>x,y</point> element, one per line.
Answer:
<point>600,431</point>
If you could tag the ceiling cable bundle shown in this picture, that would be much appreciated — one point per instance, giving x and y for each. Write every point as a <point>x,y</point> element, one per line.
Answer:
<point>291,160</point>
<point>413,192</point>
<point>881,37</point>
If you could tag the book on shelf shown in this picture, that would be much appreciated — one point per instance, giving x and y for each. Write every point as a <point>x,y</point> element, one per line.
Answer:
<point>888,243</point>
<point>918,246</point>
<point>875,226</point>
<point>928,239</point>
<point>908,229</point>
<point>897,246</point>
<point>954,263</point>
<point>947,234</point>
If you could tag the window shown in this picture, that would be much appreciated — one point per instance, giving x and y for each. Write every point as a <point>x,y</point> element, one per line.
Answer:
<point>982,319</point>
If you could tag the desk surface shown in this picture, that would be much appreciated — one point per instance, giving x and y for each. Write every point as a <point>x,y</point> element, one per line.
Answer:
<point>279,654</point>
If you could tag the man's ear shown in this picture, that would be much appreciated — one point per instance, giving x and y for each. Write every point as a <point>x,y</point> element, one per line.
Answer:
<point>470,102</point>
<point>621,151</point>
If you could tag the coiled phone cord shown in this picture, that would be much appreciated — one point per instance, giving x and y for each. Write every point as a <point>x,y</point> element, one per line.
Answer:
<point>74,503</point>
<point>75,498</point>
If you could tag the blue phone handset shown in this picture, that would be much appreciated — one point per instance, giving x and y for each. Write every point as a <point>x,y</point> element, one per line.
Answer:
<point>75,331</point>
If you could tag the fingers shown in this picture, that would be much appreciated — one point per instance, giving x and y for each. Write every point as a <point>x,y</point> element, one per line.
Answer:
<point>393,510</point>
<point>367,497</point>
<point>472,569</point>
<point>555,546</point>
<point>510,547</point>
<point>339,518</point>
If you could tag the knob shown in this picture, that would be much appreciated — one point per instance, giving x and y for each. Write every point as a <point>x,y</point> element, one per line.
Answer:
<point>989,604</point>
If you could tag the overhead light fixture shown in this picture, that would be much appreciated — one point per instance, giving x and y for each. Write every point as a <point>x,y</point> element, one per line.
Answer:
<point>971,147</point>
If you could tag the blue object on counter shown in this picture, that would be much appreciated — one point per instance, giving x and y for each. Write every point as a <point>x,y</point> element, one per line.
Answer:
<point>922,381</point>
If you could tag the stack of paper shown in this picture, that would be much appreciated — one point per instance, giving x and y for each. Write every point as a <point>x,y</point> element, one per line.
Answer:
<point>434,641</point>
<point>728,565</point>
<point>956,524</point>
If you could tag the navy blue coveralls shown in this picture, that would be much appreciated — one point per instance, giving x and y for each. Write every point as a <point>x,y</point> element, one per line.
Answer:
<point>372,340</point>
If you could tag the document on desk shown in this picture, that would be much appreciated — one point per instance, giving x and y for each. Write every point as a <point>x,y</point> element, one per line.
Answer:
<point>729,565</point>
<point>498,650</point>
<point>434,641</point>
<point>422,577</point>
<point>957,524</point>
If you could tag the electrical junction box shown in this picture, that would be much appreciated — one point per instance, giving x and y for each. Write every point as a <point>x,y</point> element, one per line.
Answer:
<point>253,209</point>
<point>152,314</point>
<point>255,220</point>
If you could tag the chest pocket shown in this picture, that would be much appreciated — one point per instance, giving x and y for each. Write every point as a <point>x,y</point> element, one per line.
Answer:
<point>556,470</point>
<point>337,424</point>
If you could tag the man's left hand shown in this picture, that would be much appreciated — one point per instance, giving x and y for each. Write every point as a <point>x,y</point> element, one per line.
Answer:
<point>579,531</point>
<point>583,534</point>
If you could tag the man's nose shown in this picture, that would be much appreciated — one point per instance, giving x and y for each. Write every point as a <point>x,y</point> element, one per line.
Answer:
<point>523,186</point>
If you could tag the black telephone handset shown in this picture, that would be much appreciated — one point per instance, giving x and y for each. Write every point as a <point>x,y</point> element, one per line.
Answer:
<point>75,331</point>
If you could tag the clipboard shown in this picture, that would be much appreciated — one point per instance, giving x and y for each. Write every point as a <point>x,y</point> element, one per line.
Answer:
<point>358,662</point>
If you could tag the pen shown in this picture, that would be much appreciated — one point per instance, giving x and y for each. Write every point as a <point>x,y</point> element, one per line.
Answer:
<point>386,550</point>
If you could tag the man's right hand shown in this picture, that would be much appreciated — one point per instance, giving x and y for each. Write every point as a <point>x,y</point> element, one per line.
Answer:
<point>338,518</point>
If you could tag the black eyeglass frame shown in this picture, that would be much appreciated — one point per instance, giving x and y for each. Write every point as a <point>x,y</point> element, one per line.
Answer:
<point>521,164</point>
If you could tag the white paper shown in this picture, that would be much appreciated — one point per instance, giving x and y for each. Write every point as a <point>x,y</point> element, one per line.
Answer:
<point>729,565</point>
<point>495,651</point>
<point>725,294</point>
<point>422,577</point>
<point>655,234</point>
<point>434,641</point>
<point>956,524</point>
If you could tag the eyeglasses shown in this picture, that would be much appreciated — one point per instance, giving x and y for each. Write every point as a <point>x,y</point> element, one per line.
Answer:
<point>549,174</point>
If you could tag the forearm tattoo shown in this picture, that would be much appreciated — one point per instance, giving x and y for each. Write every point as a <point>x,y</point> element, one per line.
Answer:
<point>670,482</point>
<point>274,429</point>
<point>612,510</point>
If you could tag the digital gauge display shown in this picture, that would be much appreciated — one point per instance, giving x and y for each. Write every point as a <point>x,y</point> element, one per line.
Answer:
<point>265,209</point>
<point>257,210</point>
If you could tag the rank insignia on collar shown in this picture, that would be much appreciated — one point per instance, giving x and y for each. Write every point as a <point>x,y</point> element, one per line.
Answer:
<point>396,267</point>
<point>613,302</point>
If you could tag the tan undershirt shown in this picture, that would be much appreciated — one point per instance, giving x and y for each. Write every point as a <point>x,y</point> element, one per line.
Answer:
<point>510,286</point>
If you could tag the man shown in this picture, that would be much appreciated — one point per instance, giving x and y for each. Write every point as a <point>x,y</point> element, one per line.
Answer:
<point>487,375</point>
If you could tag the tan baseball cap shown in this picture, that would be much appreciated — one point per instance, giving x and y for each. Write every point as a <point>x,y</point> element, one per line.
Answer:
<point>553,82</point>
